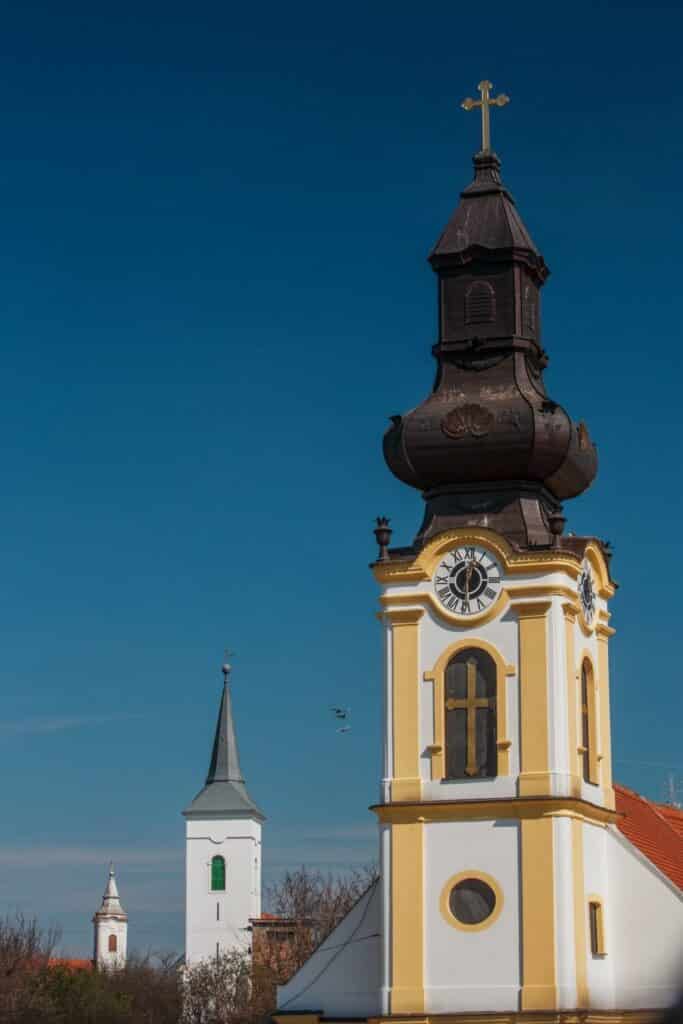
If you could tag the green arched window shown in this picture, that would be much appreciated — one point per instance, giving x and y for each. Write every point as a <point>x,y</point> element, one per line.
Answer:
<point>218,874</point>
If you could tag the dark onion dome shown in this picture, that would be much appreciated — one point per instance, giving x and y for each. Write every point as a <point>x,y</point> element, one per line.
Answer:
<point>488,446</point>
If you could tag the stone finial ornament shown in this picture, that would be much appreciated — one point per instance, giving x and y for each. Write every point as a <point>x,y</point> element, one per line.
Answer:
<point>383,534</point>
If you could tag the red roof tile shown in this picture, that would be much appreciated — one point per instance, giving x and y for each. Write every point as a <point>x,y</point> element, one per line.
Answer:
<point>655,829</point>
<point>674,815</point>
<point>70,964</point>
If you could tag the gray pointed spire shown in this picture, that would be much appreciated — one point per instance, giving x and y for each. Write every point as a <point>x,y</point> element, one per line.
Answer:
<point>111,901</point>
<point>225,758</point>
<point>224,793</point>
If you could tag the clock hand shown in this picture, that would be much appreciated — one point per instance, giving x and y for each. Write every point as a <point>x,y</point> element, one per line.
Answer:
<point>468,579</point>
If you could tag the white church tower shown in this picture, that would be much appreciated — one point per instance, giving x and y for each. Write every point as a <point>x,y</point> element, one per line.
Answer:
<point>111,928</point>
<point>223,851</point>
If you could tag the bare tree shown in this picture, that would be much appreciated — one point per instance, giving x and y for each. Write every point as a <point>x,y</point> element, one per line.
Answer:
<point>25,949</point>
<point>218,990</point>
<point>312,904</point>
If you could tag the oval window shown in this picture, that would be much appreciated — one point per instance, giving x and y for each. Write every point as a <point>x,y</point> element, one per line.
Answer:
<point>471,901</point>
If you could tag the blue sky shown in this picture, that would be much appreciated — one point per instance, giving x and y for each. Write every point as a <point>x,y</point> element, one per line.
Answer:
<point>215,220</point>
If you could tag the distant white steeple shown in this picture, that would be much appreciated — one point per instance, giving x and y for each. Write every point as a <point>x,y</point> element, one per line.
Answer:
<point>111,928</point>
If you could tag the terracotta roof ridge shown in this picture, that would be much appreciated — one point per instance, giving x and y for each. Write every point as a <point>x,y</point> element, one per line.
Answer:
<point>631,792</point>
<point>662,817</point>
<point>656,808</point>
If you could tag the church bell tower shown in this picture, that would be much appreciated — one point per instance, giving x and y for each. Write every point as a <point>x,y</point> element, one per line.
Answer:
<point>497,785</point>
<point>111,929</point>
<point>223,851</point>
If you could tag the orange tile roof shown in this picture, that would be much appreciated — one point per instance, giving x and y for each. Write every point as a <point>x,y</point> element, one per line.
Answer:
<point>674,815</point>
<point>70,963</point>
<point>655,829</point>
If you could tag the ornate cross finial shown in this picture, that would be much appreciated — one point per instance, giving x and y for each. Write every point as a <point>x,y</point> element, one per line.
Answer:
<point>485,103</point>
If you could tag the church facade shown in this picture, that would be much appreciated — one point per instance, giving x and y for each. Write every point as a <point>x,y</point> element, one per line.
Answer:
<point>508,885</point>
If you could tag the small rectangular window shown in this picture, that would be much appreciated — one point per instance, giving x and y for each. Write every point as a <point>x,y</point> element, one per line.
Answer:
<point>596,928</point>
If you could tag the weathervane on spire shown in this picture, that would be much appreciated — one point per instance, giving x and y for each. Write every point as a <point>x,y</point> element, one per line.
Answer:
<point>226,666</point>
<point>485,103</point>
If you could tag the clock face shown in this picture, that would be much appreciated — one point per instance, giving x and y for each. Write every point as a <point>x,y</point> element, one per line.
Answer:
<point>467,580</point>
<point>586,591</point>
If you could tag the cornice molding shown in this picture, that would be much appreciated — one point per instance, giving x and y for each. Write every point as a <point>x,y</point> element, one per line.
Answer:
<point>520,808</point>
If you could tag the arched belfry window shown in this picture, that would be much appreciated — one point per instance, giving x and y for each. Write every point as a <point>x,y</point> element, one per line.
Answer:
<point>218,874</point>
<point>112,944</point>
<point>480,303</point>
<point>588,723</point>
<point>470,715</point>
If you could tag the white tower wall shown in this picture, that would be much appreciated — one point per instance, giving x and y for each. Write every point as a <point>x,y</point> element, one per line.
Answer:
<point>216,921</point>
<point>105,930</point>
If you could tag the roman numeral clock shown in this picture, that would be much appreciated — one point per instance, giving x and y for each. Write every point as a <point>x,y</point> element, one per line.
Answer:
<point>467,580</point>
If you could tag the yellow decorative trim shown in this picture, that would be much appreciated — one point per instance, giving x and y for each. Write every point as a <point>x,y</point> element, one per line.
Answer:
<point>570,610</point>
<point>534,779</point>
<point>422,567</point>
<point>572,699</point>
<point>541,590</point>
<point>598,947</point>
<point>579,914</point>
<point>406,789</point>
<point>539,990</point>
<point>445,906</point>
<point>577,1016</point>
<point>407,917</point>
<point>605,724</point>
<point>595,557</point>
<point>436,675</point>
<point>428,599</point>
<point>403,571</point>
<point>531,609</point>
<point>513,808</point>
<point>404,617</point>
<point>406,784</point>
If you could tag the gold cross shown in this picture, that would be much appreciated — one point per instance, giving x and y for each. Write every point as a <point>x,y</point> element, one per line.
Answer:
<point>485,103</point>
<point>470,704</point>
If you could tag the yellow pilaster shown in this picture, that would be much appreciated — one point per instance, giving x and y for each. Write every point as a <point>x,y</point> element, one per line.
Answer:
<point>603,635</point>
<point>579,915</point>
<point>534,779</point>
<point>539,991</point>
<point>407,898</point>
<point>405,783</point>
<point>572,700</point>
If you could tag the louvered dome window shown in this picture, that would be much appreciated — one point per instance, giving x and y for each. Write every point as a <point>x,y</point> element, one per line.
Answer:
<point>480,303</point>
